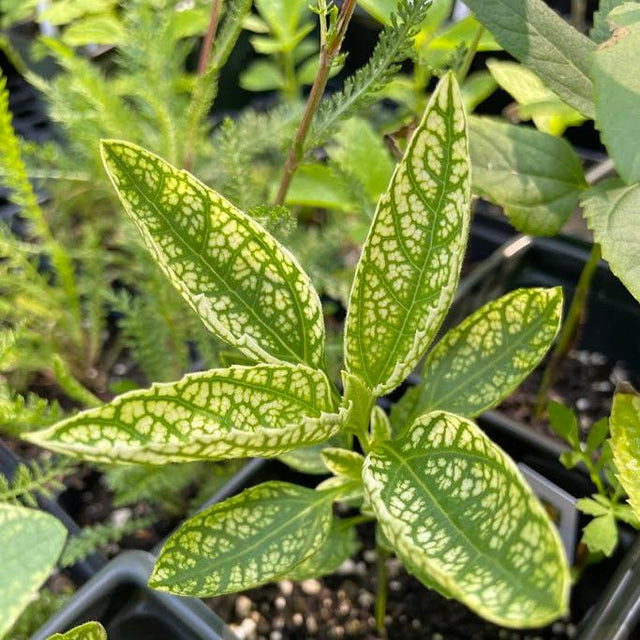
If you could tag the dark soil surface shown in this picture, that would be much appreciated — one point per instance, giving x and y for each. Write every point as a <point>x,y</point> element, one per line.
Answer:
<point>342,606</point>
<point>585,382</point>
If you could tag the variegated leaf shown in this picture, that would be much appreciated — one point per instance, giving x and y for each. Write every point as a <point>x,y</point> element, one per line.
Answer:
<point>380,425</point>
<point>246,287</point>
<point>341,544</point>
<point>625,444</point>
<point>245,541</point>
<point>309,459</point>
<point>460,516</point>
<point>30,543</point>
<point>264,410</point>
<point>411,260</point>
<point>343,462</point>
<point>87,631</point>
<point>484,358</point>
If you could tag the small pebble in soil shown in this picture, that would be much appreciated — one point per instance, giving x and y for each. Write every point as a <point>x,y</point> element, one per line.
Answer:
<point>243,606</point>
<point>311,587</point>
<point>286,587</point>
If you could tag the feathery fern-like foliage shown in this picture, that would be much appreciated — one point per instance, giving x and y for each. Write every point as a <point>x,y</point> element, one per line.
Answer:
<point>32,480</point>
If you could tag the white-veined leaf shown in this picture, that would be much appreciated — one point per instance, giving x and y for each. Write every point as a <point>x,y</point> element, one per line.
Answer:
<point>87,631</point>
<point>264,410</point>
<point>461,517</point>
<point>482,360</point>
<point>625,444</point>
<point>341,544</point>
<point>611,209</point>
<point>246,287</point>
<point>31,542</point>
<point>245,541</point>
<point>410,264</point>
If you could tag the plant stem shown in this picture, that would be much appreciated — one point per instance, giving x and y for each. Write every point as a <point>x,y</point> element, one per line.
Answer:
<point>469,56</point>
<point>569,328</point>
<point>209,38</point>
<point>328,52</point>
<point>578,12</point>
<point>381,595</point>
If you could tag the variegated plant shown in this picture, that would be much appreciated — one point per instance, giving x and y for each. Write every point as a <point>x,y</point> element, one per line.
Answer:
<point>446,500</point>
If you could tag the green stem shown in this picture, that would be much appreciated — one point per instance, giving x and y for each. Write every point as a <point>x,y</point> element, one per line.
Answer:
<point>569,328</point>
<point>328,52</point>
<point>470,55</point>
<point>381,595</point>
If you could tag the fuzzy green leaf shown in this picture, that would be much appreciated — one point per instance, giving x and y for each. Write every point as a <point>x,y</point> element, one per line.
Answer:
<point>245,541</point>
<point>87,631</point>
<point>535,176</point>
<point>484,358</point>
<point>461,517</point>
<point>617,90</point>
<point>246,287</point>
<point>264,410</point>
<point>31,542</point>
<point>625,443</point>
<point>611,210</point>
<point>539,38</point>
<point>343,462</point>
<point>341,544</point>
<point>410,264</point>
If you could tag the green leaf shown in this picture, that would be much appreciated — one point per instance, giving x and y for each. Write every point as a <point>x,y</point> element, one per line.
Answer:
<point>104,29</point>
<point>483,359</point>
<point>564,423</point>
<point>31,542</point>
<point>536,177</point>
<point>611,210</point>
<point>313,185</point>
<point>539,38</point>
<point>461,517</point>
<point>625,443</point>
<point>66,11</point>
<point>380,425</point>
<point>343,462</point>
<point>264,410</point>
<point>600,31</point>
<point>282,16</point>
<point>410,263</point>
<point>548,112</point>
<point>601,534</point>
<point>592,507</point>
<point>309,459</point>
<point>343,488</point>
<point>381,10</point>
<point>476,89</point>
<point>245,541</point>
<point>617,90</point>
<point>362,154</point>
<point>246,287</point>
<point>597,434</point>
<point>87,631</point>
<point>261,75</point>
<point>341,544</point>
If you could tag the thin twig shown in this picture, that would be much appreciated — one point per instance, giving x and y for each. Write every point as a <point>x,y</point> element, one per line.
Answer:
<point>210,36</point>
<point>328,52</point>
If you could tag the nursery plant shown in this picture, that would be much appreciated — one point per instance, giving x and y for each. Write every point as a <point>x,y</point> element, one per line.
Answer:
<point>445,499</point>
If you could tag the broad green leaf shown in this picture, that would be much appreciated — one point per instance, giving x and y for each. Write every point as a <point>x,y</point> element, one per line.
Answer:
<point>410,263</point>
<point>343,462</point>
<point>246,287</point>
<point>344,489</point>
<point>597,434</point>
<point>261,75</point>
<point>461,517</point>
<point>66,11</point>
<point>476,89</point>
<point>309,459</point>
<point>539,38</point>
<point>482,360</point>
<point>31,542</point>
<point>601,534</point>
<point>548,112</point>
<point>381,10</point>
<point>625,443</point>
<point>611,210</point>
<point>617,90</point>
<point>537,178</point>
<point>87,631</point>
<point>103,29</point>
<point>245,541</point>
<point>361,153</point>
<point>462,33</point>
<point>264,410</point>
<point>341,544</point>
<point>313,185</point>
<point>592,507</point>
<point>565,423</point>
